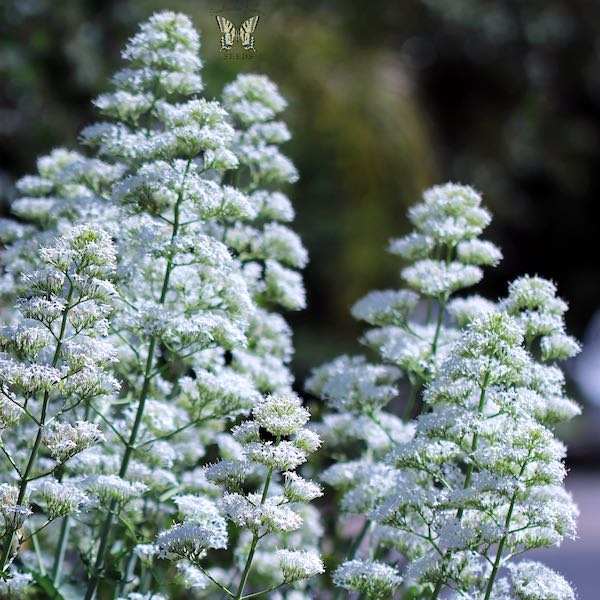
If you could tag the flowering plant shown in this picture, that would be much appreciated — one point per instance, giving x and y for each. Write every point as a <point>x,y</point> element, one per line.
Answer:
<point>197,258</point>
<point>151,441</point>
<point>476,478</point>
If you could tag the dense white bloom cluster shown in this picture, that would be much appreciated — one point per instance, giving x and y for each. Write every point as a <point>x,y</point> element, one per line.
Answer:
<point>253,99</point>
<point>260,512</point>
<point>61,499</point>
<point>534,302</point>
<point>14,510</point>
<point>53,362</point>
<point>112,490</point>
<point>188,541</point>
<point>477,477</point>
<point>17,585</point>
<point>533,580</point>
<point>487,442</point>
<point>444,247</point>
<point>281,415</point>
<point>446,256</point>
<point>187,188</point>
<point>64,440</point>
<point>351,384</point>
<point>296,565</point>
<point>270,250</point>
<point>375,580</point>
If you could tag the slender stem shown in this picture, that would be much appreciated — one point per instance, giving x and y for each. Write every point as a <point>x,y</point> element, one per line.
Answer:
<point>246,572</point>
<point>107,525</point>
<point>256,594</point>
<point>255,538</point>
<point>443,300</point>
<point>129,571</point>
<point>412,398</point>
<point>107,421</point>
<point>438,325</point>
<point>42,421</point>
<point>381,426</point>
<point>219,585</point>
<point>358,540</point>
<point>146,580</point>
<point>10,459</point>
<point>468,475</point>
<point>36,531</point>
<point>38,555</point>
<point>475,441</point>
<point>59,557</point>
<point>169,435</point>
<point>498,559</point>
<point>429,310</point>
<point>496,565</point>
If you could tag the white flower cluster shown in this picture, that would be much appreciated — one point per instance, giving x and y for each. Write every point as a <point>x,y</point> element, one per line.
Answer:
<point>375,580</point>
<point>61,499</point>
<point>530,579</point>
<point>296,565</point>
<point>270,250</point>
<point>498,465</point>
<point>271,446</point>
<point>477,477</point>
<point>13,508</point>
<point>446,256</point>
<point>534,302</point>
<point>444,244</point>
<point>186,189</point>
<point>64,440</point>
<point>53,362</point>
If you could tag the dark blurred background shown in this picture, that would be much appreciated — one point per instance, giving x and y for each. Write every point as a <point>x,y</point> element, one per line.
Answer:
<point>386,98</point>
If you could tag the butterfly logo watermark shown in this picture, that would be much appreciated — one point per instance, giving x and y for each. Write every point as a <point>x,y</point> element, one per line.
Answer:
<point>244,33</point>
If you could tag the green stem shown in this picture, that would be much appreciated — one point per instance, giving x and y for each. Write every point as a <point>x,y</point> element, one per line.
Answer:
<point>130,565</point>
<point>59,558</point>
<point>107,525</point>
<point>412,398</point>
<point>255,538</point>
<point>246,572</point>
<point>429,310</point>
<point>468,475</point>
<point>381,426</point>
<point>59,555</point>
<point>475,441</point>
<point>438,326</point>
<point>497,560</point>
<point>502,543</point>
<point>38,438</point>
<point>38,554</point>
<point>443,300</point>
<point>358,540</point>
<point>257,594</point>
<point>146,580</point>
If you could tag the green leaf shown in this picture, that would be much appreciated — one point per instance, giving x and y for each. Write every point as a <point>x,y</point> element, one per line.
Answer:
<point>46,585</point>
